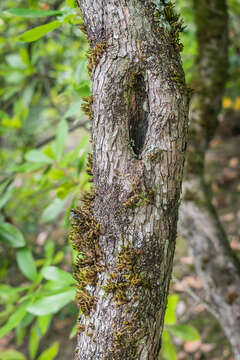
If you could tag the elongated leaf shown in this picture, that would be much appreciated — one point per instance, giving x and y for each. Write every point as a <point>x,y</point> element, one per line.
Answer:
<point>33,342</point>
<point>26,263</point>
<point>170,317</point>
<point>51,304</point>
<point>14,319</point>
<point>9,290</point>
<point>27,167</point>
<point>55,274</point>
<point>36,156</point>
<point>73,110</point>
<point>20,334</point>
<point>184,332</point>
<point>71,3</point>
<point>10,235</point>
<point>168,351</point>
<point>11,355</point>
<point>50,353</point>
<point>39,31</point>
<point>53,210</point>
<point>83,90</point>
<point>61,138</point>
<point>44,322</point>
<point>30,13</point>
<point>6,195</point>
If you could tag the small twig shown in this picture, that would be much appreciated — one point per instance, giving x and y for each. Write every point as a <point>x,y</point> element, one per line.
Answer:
<point>52,137</point>
<point>196,297</point>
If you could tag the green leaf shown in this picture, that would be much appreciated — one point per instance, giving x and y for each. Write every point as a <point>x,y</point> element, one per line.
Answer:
<point>14,319</point>
<point>33,342</point>
<point>28,318</point>
<point>37,156</point>
<point>50,353</point>
<point>11,355</point>
<point>170,316</point>
<point>51,304</point>
<point>6,195</point>
<point>73,110</point>
<point>30,13</point>
<point>53,210</point>
<point>10,235</point>
<point>58,257</point>
<point>39,31</point>
<point>83,90</point>
<point>10,291</point>
<point>55,274</point>
<point>26,263</point>
<point>49,249</point>
<point>61,137</point>
<point>27,167</point>
<point>44,322</point>
<point>20,334</point>
<point>184,332</point>
<point>71,3</point>
<point>168,351</point>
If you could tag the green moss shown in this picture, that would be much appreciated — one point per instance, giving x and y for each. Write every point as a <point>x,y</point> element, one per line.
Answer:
<point>157,155</point>
<point>166,12</point>
<point>123,283</point>
<point>86,106</point>
<point>124,276</point>
<point>84,237</point>
<point>179,79</point>
<point>95,54</point>
<point>140,198</point>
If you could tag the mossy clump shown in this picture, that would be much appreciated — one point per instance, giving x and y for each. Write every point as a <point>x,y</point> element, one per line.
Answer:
<point>179,79</point>
<point>126,275</point>
<point>140,198</point>
<point>127,283</point>
<point>157,155</point>
<point>84,237</point>
<point>166,12</point>
<point>95,54</point>
<point>86,106</point>
<point>176,24</point>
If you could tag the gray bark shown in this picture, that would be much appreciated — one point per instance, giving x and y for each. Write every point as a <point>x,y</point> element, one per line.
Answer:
<point>139,122</point>
<point>198,220</point>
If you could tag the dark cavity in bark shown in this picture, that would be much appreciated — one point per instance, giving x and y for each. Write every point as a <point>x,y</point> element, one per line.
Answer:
<point>138,108</point>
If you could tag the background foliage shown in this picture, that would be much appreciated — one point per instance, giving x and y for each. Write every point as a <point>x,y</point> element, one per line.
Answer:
<point>44,140</point>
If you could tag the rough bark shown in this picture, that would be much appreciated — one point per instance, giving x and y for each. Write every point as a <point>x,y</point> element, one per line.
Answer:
<point>198,219</point>
<point>125,231</point>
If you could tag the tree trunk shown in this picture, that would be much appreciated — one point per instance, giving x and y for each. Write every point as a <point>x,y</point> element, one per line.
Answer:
<point>198,220</point>
<point>125,229</point>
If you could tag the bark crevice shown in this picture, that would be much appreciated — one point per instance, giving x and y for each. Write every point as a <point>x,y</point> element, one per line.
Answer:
<point>138,109</point>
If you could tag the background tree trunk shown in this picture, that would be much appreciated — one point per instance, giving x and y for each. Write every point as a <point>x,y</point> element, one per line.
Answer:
<point>199,222</point>
<point>125,230</point>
